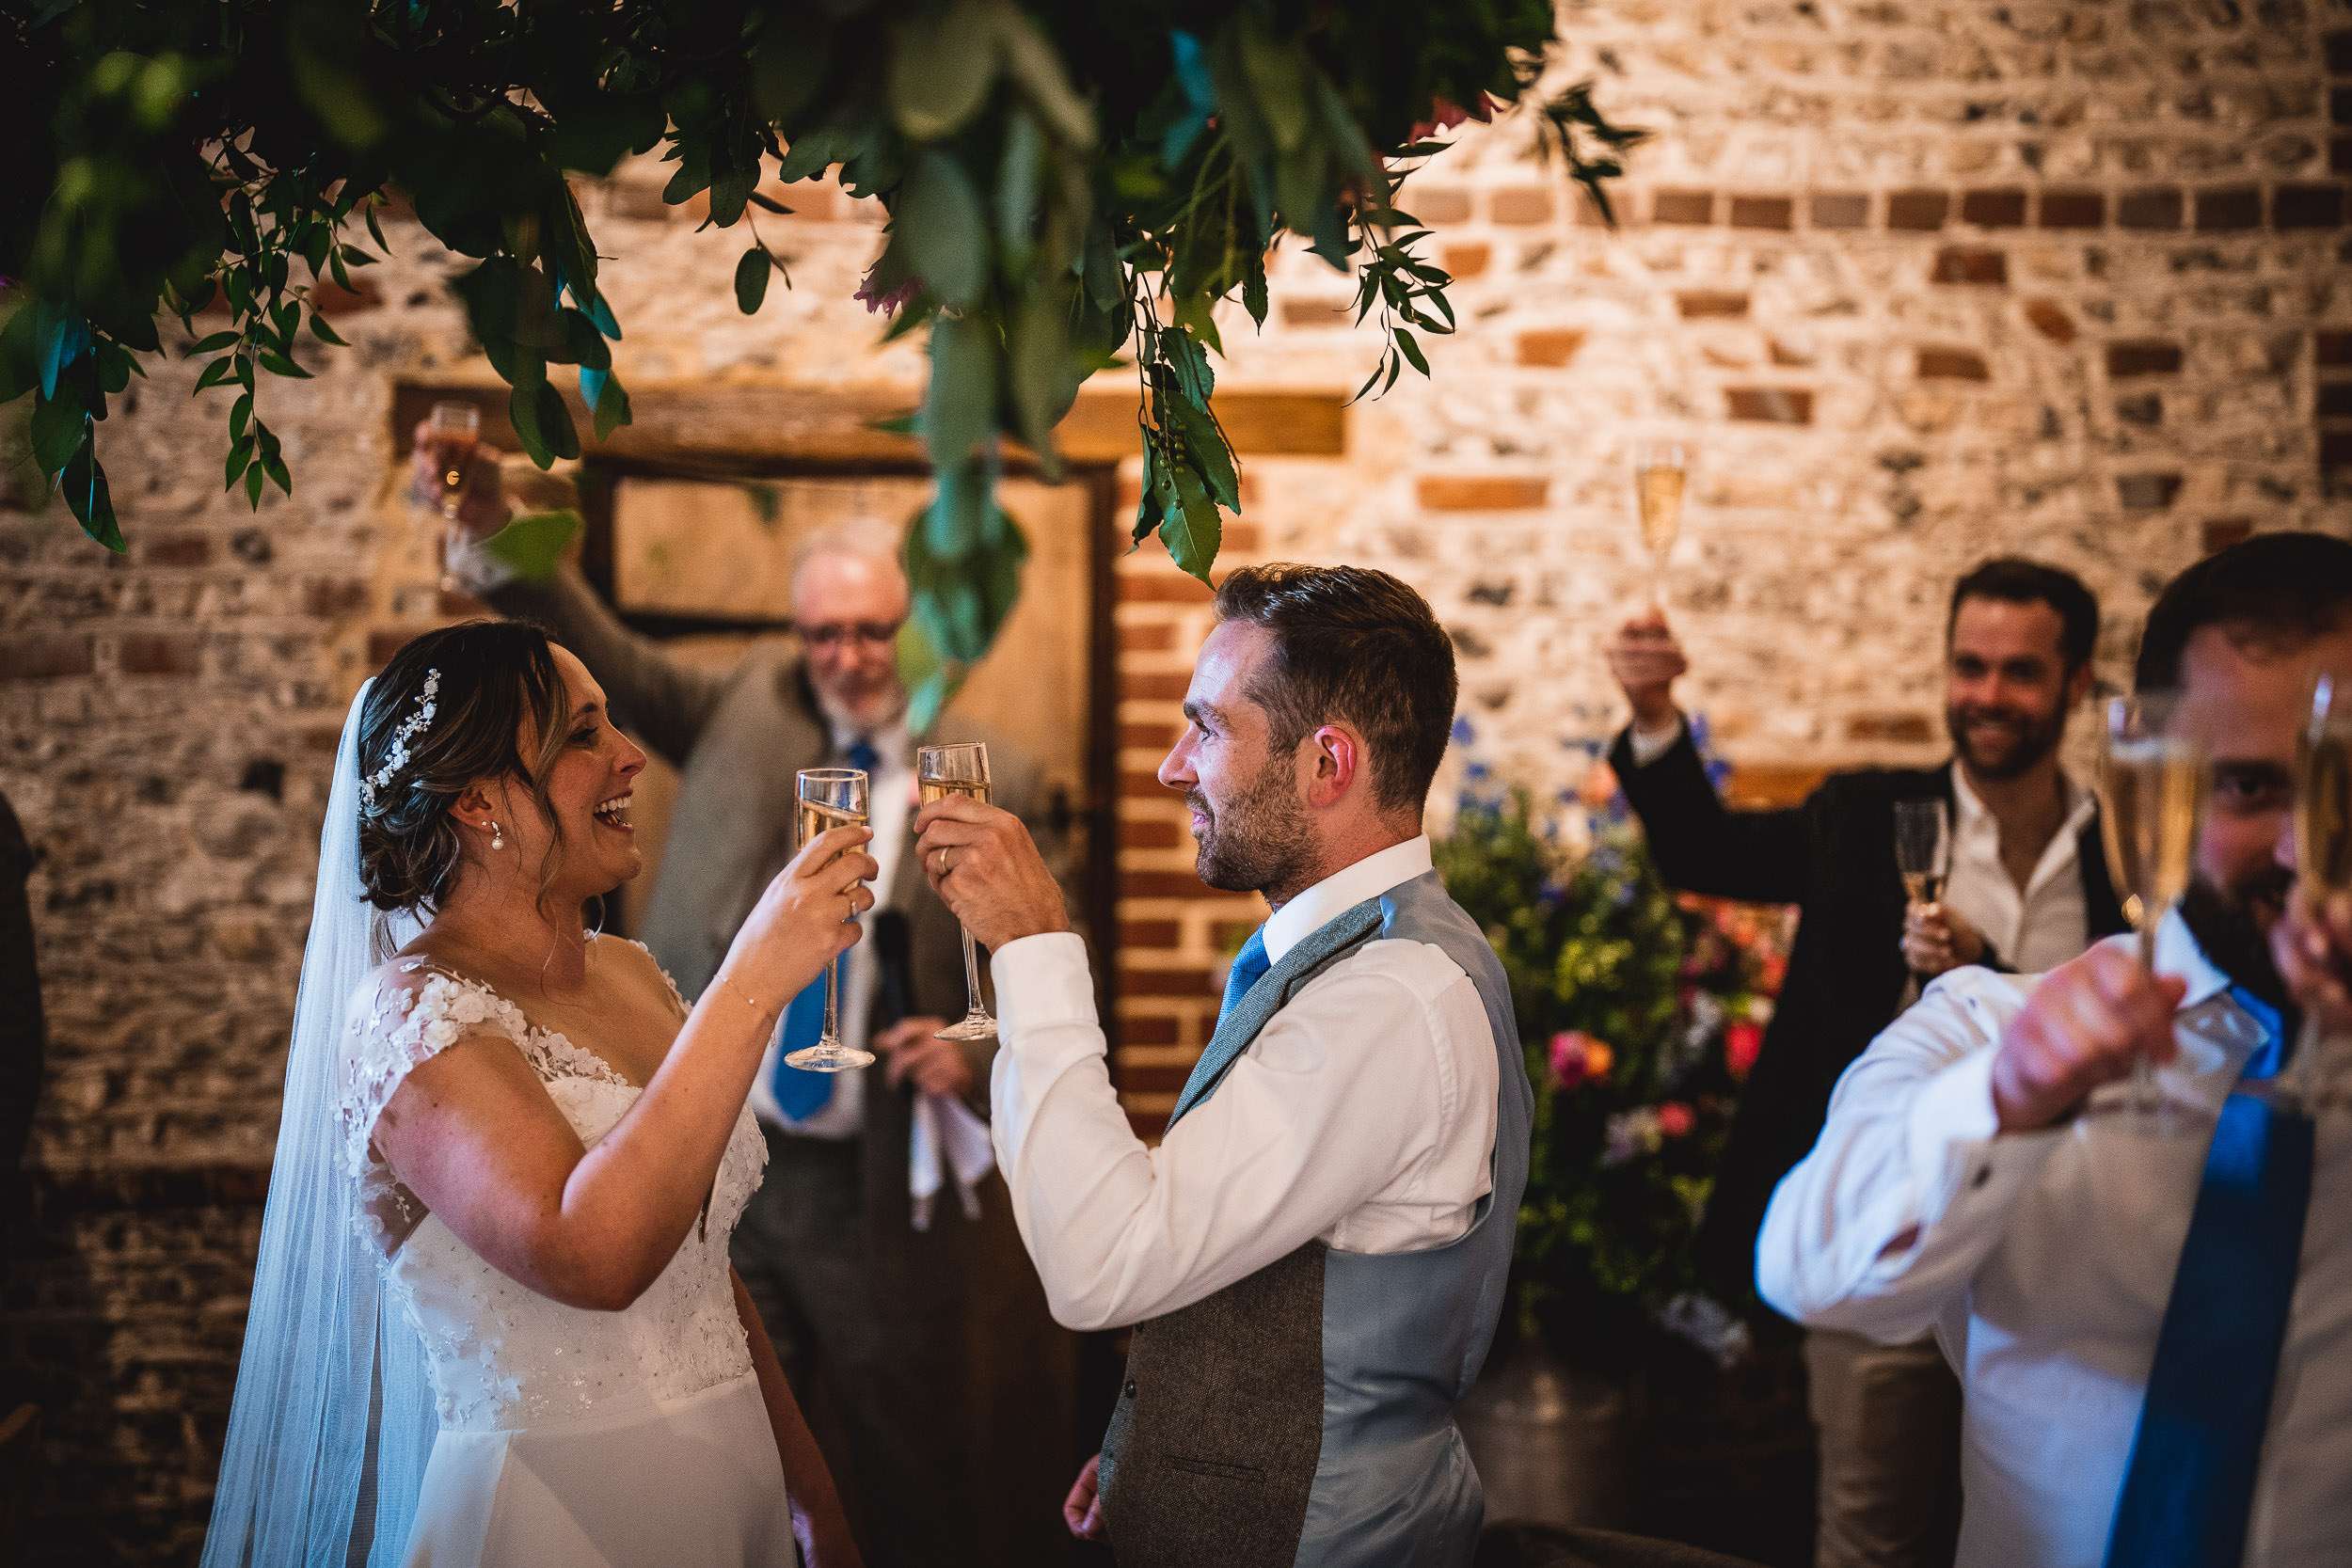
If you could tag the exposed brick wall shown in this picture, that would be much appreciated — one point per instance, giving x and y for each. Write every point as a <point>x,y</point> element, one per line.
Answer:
<point>1920,281</point>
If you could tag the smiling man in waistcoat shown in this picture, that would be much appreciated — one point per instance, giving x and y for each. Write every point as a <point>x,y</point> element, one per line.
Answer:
<point>1314,1256</point>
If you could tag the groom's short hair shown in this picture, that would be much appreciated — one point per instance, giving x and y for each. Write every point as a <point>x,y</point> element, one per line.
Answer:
<point>1355,644</point>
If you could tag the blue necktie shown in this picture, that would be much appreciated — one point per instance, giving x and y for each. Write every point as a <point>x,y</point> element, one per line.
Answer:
<point>1249,966</point>
<point>800,1094</point>
<point>2190,1483</point>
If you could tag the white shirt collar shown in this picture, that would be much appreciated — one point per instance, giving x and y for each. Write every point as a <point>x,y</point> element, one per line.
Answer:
<point>1971,819</point>
<point>2178,954</point>
<point>1341,891</point>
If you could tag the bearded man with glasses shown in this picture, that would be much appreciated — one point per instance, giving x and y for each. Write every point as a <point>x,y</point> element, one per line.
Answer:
<point>916,1332</point>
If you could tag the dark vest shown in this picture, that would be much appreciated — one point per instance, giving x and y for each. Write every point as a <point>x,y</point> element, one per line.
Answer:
<point>1305,1415</point>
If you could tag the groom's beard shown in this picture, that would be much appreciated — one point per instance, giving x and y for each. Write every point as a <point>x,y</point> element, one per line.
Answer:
<point>1260,839</point>
<point>2223,920</point>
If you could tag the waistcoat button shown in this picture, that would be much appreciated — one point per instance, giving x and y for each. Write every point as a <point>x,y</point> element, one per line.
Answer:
<point>1131,1388</point>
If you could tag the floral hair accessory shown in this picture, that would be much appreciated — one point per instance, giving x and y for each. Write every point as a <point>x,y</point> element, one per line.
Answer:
<point>414,726</point>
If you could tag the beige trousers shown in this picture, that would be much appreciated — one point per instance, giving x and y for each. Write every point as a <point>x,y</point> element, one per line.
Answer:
<point>1889,1422</point>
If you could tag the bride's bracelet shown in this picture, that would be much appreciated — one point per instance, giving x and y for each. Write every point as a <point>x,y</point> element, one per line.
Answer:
<point>727,980</point>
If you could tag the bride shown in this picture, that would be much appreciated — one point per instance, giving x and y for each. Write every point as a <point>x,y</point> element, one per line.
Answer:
<point>493,1320</point>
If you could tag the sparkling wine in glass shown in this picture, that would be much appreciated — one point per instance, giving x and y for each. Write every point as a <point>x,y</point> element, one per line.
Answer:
<point>2322,846</point>
<point>941,772</point>
<point>831,798</point>
<point>452,432</point>
<point>1660,469</point>
<point>2156,777</point>
<point>1923,849</point>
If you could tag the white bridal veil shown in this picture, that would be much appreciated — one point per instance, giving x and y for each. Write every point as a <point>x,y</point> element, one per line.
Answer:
<point>333,1419</point>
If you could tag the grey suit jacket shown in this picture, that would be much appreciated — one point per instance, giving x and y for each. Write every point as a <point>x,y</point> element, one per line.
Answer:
<point>737,740</point>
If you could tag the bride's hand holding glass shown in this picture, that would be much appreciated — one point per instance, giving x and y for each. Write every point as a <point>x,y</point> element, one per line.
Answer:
<point>802,922</point>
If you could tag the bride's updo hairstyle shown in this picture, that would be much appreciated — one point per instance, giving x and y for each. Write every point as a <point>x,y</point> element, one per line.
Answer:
<point>496,684</point>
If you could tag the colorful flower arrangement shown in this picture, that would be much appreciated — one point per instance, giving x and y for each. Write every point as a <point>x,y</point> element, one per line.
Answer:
<point>1641,1012</point>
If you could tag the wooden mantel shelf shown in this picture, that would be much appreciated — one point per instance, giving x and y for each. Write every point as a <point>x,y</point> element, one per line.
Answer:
<point>769,423</point>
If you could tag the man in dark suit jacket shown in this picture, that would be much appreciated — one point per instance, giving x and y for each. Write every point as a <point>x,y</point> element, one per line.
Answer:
<point>956,1388</point>
<point>2026,854</point>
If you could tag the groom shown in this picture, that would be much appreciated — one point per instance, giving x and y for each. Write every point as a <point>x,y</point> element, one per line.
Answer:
<point>1315,1254</point>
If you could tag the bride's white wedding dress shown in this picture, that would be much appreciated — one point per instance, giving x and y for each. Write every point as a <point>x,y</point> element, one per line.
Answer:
<point>568,1436</point>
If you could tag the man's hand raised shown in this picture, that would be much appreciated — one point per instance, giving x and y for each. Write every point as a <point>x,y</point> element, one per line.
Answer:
<point>983,862</point>
<point>2083,1026</point>
<point>482,507</point>
<point>1646,658</point>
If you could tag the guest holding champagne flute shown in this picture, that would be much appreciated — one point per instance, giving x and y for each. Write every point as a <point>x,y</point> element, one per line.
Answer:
<point>2027,887</point>
<point>2158,1364</point>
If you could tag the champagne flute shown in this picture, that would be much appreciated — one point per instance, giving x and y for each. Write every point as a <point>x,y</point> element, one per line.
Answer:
<point>831,798</point>
<point>2156,777</point>
<point>1923,849</point>
<point>451,431</point>
<point>2323,847</point>
<point>1660,469</point>
<point>941,772</point>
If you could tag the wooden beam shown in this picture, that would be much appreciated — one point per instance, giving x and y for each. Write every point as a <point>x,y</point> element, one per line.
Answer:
<point>752,422</point>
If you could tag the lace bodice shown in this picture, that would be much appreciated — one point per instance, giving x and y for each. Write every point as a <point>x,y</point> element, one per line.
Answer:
<point>502,1355</point>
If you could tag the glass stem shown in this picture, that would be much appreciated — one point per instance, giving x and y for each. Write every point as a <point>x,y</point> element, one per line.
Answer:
<point>833,1005</point>
<point>2147,1099</point>
<point>2302,1074</point>
<point>972,977</point>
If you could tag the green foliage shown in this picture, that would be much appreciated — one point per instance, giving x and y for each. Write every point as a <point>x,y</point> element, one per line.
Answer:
<point>1067,182</point>
<point>1637,1013</point>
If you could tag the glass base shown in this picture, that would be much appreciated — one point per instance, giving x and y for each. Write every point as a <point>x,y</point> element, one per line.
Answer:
<point>977,1025</point>
<point>829,1057</point>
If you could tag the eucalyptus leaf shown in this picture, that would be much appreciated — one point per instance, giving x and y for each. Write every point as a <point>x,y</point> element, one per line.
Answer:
<point>940,230</point>
<point>1192,530</point>
<point>960,407</point>
<point>533,546</point>
<point>941,68</point>
<point>751,280</point>
<point>83,486</point>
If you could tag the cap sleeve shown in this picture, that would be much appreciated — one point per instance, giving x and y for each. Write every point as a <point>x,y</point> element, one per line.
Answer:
<point>401,1018</point>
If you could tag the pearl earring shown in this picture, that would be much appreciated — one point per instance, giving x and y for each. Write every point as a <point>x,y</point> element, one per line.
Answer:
<point>498,838</point>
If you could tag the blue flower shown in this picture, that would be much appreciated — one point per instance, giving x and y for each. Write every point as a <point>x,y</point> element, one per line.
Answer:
<point>1462,734</point>
<point>1475,770</point>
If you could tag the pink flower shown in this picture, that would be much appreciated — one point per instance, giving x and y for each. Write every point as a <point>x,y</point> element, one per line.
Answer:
<point>1741,1041</point>
<point>886,303</point>
<point>1578,1058</point>
<point>1676,1120</point>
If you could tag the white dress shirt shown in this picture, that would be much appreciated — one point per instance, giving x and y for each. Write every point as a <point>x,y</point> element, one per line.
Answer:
<point>1363,1113</point>
<point>2043,1262</point>
<point>890,779</point>
<point>2036,928</point>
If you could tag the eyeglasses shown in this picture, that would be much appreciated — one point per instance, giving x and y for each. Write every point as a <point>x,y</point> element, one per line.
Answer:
<point>833,633</point>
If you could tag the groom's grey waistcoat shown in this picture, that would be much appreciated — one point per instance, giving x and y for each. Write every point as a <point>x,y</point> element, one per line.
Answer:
<point>1305,1415</point>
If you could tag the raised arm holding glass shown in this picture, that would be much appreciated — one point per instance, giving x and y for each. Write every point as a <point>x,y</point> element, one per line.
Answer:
<point>2025,887</point>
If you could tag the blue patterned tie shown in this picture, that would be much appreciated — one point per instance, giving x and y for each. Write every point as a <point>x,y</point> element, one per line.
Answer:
<point>2190,1486</point>
<point>800,1094</point>
<point>1249,966</point>
<point>863,756</point>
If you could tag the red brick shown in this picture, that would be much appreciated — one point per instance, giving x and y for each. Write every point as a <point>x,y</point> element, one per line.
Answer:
<point>2333,348</point>
<point>1483,493</point>
<point>1465,260</point>
<point>2230,210</point>
<point>1144,785</point>
<point>1155,1079</point>
<point>1150,832</point>
<point>1683,207</point>
<point>1154,686</point>
<point>2146,492</point>
<point>1151,1126</point>
<point>1162,588</point>
<point>1148,933</point>
<point>330,599</point>
<point>1157,638</point>
<point>2335,448</point>
<point>2156,207</point>
<point>1439,204</point>
<point>2307,207</point>
<point>1710,304</point>
<point>1524,204</point>
<point>1551,347</point>
<point>1905,727</point>
<point>44,656</point>
<point>2143,358</point>
<point>1841,210</point>
<point>461,607</point>
<point>2335,400</point>
<point>2074,208</point>
<point>1997,209</point>
<point>1952,364</point>
<point>157,654</point>
<point>1917,209</point>
<point>1318,312</point>
<point>1989,267</point>
<point>1763,211</point>
<point>182,549</point>
<point>1157,738</point>
<point>1228,935</point>
<point>1239,538</point>
<point>2340,52</point>
<point>2221,532</point>
<point>1147,1030</point>
<point>2051,322</point>
<point>385,642</point>
<point>1770,404</point>
<point>1165,982</point>
<point>2339,105</point>
<point>2340,155</point>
